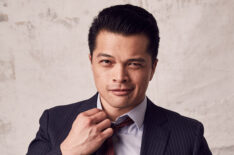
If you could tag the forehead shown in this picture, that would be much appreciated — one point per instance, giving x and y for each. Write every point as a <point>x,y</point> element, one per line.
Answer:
<point>118,44</point>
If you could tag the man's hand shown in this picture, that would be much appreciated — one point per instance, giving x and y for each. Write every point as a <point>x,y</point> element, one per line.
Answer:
<point>89,130</point>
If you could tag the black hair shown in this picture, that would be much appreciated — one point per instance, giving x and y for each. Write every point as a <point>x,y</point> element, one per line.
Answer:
<point>127,20</point>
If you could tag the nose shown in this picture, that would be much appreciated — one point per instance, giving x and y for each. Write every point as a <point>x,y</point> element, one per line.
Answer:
<point>120,74</point>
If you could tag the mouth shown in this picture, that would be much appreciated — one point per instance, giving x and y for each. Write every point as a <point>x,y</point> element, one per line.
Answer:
<point>121,92</point>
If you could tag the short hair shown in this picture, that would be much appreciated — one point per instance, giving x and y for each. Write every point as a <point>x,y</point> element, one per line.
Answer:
<point>126,20</point>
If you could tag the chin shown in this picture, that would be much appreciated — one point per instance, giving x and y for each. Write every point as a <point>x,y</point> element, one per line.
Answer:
<point>120,103</point>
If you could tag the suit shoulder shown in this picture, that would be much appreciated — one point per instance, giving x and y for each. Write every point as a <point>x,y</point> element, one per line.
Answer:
<point>175,116</point>
<point>77,106</point>
<point>177,121</point>
<point>65,108</point>
<point>59,116</point>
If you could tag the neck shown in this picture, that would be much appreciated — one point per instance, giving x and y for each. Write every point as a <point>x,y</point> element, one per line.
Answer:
<point>114,113</point>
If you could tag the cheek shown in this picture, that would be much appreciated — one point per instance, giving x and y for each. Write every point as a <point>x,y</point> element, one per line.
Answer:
<point>141,80</point>
<point>101,78</point>
<point>97,77</point>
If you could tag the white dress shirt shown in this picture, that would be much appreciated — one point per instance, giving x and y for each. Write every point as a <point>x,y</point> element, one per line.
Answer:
<point>127,141</point>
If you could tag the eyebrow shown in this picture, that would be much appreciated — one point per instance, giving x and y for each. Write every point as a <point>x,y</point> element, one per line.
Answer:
<point>137,59</point>
<point>104,55</point>
<point>130,60</point>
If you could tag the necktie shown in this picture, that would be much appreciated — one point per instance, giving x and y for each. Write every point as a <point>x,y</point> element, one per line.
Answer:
<point>108,147</point>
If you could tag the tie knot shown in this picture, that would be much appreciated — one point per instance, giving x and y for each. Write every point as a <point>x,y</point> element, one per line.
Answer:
<point>128,121</point>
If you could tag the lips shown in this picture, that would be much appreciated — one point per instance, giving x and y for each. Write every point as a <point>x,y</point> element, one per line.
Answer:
<point>121,92</point>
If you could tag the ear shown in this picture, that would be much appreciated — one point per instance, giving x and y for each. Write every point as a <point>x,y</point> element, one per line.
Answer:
<point>153,69</point>
<point>90,58</point>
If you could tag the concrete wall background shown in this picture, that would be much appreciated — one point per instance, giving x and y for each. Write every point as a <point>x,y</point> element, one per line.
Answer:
<point>44,63</point>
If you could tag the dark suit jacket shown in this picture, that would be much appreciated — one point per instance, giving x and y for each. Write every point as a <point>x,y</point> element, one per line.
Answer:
<point>165,132</point>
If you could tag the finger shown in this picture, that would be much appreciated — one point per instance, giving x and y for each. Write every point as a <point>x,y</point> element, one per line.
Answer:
<point>91,112</point>
<point>104,124</point>
<point>98,117</point>
<point>107,133</point>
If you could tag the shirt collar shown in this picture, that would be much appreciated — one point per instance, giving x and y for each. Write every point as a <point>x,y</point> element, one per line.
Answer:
<point>137,114</point>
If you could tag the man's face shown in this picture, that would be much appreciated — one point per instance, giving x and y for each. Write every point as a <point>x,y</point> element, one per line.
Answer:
<point>122,69</point>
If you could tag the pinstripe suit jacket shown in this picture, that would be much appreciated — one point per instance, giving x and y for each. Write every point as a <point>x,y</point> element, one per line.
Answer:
<point>165,132</point>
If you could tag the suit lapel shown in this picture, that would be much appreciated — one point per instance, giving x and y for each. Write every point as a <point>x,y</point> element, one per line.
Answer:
<point>155,134</point>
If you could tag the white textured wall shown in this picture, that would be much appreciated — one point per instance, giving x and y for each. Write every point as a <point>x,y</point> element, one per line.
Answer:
<point>44,63</point>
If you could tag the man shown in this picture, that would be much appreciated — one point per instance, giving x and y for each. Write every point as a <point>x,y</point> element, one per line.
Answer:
<point>123,42</point>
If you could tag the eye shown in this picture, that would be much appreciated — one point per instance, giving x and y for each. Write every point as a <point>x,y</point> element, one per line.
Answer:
<point>135,65</point>
<point>105,62</point>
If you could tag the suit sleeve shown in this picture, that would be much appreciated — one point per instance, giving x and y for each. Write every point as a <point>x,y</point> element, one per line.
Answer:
<point>41,145</point>
<point>201,147</point>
